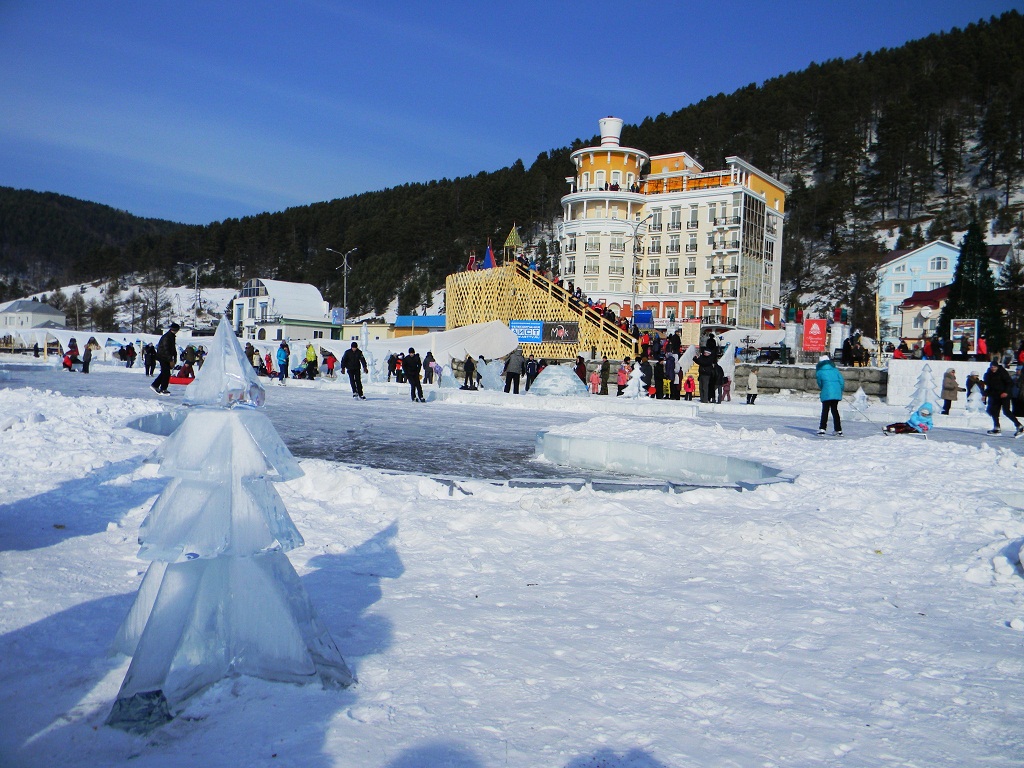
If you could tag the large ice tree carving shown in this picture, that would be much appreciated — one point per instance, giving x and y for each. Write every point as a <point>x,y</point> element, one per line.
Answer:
<point>220,597</point>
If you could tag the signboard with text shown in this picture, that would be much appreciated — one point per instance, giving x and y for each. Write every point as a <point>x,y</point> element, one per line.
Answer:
<point>538,331</point>
<point>961,331</point>
<point>815,334</point>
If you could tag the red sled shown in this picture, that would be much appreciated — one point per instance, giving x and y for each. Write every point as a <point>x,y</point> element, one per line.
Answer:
<point>180,380</point>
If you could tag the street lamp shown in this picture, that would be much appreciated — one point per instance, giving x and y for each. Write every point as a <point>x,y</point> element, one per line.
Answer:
<point>195,308</point>
<point>344,266</point>
<point>636,260</point>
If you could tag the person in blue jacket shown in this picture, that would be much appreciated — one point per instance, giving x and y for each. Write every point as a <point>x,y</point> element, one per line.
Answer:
<point>920,421</point>
<point>831,384</point>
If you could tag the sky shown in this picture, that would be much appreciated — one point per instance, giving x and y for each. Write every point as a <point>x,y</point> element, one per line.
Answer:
<point>197,112</point>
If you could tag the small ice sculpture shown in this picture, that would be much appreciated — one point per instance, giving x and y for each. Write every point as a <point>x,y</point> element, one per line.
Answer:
<point>635,385</point>
<point>559,381</point>
<point>975,402</point>
<point>490,374</point>
<point>446,379</point>
<point>860,402</point>
<point>220,597</point>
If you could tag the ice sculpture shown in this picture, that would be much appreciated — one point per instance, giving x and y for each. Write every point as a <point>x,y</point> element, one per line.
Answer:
<point>220,597</point>
<point>490,374</point>
<point>559,381</point>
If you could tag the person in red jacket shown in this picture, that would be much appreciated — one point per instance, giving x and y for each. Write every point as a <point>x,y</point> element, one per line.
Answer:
<point>689,387</point>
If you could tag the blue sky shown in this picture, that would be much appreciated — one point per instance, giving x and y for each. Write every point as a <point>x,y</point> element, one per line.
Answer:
<point>201,111</point>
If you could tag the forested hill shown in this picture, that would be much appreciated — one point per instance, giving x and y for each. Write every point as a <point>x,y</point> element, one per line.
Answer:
<point>902,139</point>
<point>45,235</point>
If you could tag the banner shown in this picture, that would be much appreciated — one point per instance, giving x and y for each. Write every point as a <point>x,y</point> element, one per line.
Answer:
<point>964,330</point>
<point>538,331</point>
<point>815,333</point>
<point>528,331</point>
<point>565,333</point>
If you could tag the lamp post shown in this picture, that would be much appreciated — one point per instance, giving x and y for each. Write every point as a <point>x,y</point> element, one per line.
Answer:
<point>195,307</point>
<point>344,266</point>
<point>636,259</point>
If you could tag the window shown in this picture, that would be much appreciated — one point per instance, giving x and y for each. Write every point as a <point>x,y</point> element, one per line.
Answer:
<point>656,220</point>
<point>712,209</point>
<point>938,264</point>
<point>652,288</point>
<point>673,243</point>
<point>280,334</point>
<point>618,244</point>
<point>654,267</point>
<point>593,242</point>
<point>590,286</point>
<point>590,267</point>
<point>586,181</point>
<point>616,267</point>
<point>655,245</point>
<point>599,179</point>
<point>672,287</point>
<point>318,334</point>
<point>261,334</point>
<point>616,178</point>
<point>899,288</point>
<point>690,288</point>
<point>675,218</point>
<point>935,284</point>
<point>693,217</point>
<point>673,268</point>
<point>900,268</point>
<point>615,285</point>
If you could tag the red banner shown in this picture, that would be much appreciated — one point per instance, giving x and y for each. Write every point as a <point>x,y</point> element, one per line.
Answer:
<point>815,333</point>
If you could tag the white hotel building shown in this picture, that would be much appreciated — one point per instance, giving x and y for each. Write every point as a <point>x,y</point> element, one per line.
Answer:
<point>685,242</point>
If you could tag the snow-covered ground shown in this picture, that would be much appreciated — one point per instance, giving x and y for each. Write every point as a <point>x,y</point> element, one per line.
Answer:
<point>870,613</point>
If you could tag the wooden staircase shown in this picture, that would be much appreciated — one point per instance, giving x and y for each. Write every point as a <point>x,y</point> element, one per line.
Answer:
<point>515,292</point>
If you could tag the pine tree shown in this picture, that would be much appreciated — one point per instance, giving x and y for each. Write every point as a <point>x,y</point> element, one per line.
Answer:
<point>973,291</point>
<point>1011,286</point>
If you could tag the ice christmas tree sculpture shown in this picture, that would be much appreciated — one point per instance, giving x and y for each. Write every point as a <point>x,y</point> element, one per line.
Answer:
<point>220,597</point>
<point>925,390</point>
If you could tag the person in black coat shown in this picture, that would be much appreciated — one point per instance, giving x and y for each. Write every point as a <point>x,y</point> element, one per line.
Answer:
<point>354,364</point>
<point>998,384</point>
<point>167,356</point>
<point>411,367</point>
<point>706,364</point>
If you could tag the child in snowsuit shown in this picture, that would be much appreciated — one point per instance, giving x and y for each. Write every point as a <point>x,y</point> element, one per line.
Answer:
<point>920,421</point>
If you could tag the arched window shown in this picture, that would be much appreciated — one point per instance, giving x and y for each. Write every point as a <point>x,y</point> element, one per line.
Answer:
<point>938,264</point>
<point>262,334</point>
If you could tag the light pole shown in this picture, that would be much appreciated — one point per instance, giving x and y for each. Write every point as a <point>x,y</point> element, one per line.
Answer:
<point>636,259</point>
<point>195,307</point>
<point>344,266</point>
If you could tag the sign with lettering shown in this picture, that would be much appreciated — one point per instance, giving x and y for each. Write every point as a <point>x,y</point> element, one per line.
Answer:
<point>815,334</point>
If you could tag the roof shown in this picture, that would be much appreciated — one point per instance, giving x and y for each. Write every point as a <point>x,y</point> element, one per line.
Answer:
<point>998,253</point>
<point>294,299</point>
<point>420,321</point>
<point>932,298</point>
<point>27,305</point>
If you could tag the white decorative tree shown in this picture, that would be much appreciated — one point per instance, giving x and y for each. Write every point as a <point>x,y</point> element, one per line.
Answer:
<point>220,597</point>
<point>925,390</point>
<point>635,385</point>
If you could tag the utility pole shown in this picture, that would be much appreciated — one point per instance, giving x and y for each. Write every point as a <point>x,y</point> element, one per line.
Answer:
<point>344,266</point>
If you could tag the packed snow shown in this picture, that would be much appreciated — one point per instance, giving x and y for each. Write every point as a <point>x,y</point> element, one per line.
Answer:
<point>868,613</point>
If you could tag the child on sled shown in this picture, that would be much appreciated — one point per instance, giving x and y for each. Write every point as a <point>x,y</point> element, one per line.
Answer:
<point>920,422</point>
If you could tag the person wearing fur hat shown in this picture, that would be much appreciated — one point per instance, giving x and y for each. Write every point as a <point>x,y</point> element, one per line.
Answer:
<point>831,383</point>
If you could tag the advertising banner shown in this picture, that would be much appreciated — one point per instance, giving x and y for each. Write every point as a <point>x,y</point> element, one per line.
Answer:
<point>689,332</point>
<point>961,331</point>
<point>815,334</point>
<point>528,331</point>
<point>568,333</point>
<point>537,331</point>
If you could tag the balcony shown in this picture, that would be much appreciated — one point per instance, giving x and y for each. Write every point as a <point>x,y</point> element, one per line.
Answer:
<point>654,249</point>
<point>654,227</point>
<point>593,247</point>
<point>670,272</point>
<point>692,224</point>
<point>674,226</point>
<point>571,248</point>
<point>591,269</point>
<point>672,249</point>
<point>654,273</point>
<point>690,271</point>
<point>691,248</point>
<point>727,221</point>
<point>620,271</point>
<point>618,248</point>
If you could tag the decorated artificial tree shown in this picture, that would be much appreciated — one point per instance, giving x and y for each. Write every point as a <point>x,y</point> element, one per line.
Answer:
<point>925,390</point>
<point>220,597</point>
